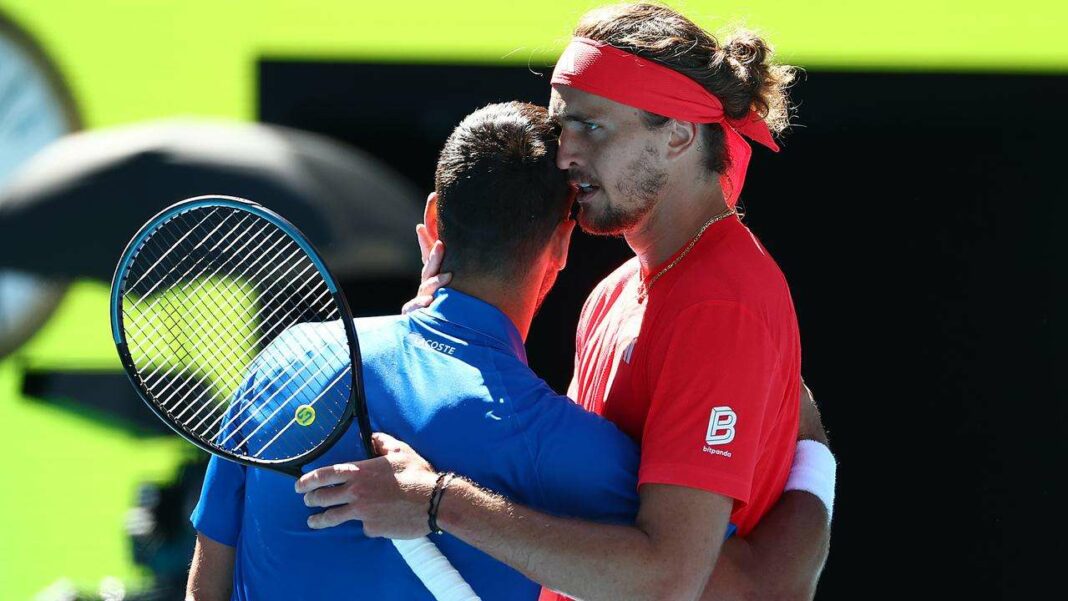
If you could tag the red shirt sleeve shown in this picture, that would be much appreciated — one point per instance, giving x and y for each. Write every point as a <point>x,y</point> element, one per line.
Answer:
<point>710,379</point>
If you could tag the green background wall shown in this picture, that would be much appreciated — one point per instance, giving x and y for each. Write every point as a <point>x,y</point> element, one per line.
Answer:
<point>61,512</point>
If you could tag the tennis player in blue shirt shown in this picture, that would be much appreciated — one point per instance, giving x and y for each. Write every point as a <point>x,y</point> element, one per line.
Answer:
<point>451,380</point>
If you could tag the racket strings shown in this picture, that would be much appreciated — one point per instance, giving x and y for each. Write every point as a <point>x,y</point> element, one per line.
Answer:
<point>314,378</point>
<point>256,405</point>
<point>225,285</point>
<point>173,315</point>
<point>246,339</point>
<point>207,295</point>
<point>258,401</point>
<point>183,290</point>
<point>191,252</point>
<point>296,292</point>
<point>293,420</point>
<point>268,384</point>
<point>159,259</point>
<point>245,297</point>
<point>156,316</point>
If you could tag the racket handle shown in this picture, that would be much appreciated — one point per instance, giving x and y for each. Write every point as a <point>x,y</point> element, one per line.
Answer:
<point>434,570</point>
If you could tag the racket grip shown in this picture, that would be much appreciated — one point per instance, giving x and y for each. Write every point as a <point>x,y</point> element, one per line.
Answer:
<point>434,570</point>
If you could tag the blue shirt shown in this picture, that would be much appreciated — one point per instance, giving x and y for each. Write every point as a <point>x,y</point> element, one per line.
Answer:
<point>452,381</point>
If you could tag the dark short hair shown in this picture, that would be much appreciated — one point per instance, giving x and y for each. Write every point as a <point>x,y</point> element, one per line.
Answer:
<point>500,193</point>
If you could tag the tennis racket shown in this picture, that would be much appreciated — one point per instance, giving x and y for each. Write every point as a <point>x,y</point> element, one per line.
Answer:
<point>236,335</point>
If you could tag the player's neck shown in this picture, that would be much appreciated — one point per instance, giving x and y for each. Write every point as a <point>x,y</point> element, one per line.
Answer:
<point>517,300</point>
<point>674,221</point>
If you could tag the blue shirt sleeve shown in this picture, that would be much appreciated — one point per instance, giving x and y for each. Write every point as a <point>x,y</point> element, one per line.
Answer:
<point>222,501</point>
<point>586,467</point>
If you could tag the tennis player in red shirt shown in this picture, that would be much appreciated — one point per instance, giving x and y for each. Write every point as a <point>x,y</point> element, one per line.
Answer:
<point>691,347</point>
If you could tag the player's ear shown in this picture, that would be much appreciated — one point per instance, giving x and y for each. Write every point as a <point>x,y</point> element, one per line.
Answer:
<point>683,137</point>
<point>561,242</point>
<point>430,215</point>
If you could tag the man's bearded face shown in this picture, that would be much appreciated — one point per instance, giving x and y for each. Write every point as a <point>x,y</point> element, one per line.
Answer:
<point>611,158</point>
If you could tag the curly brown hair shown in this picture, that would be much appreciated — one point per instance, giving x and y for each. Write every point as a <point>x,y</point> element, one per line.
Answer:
<point>739,71</point>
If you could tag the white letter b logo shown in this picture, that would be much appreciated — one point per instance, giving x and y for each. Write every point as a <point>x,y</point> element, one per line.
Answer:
<point>721,426</point>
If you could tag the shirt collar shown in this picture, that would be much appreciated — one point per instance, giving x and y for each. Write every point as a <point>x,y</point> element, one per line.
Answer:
<point>470,313</point>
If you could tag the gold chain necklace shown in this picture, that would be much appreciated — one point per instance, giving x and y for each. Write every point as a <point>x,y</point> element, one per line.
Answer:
<point>644,286</point>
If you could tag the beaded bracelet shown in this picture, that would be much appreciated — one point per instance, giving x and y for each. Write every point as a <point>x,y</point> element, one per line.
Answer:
<point>442,483</point>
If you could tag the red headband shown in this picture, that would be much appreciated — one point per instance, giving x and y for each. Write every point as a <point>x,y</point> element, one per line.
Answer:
<point>620,76</point>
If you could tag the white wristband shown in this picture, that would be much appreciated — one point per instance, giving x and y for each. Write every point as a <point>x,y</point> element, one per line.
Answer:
<point>814,471</point>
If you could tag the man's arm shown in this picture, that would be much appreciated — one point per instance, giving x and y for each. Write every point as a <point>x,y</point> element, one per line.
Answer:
<point>217,519</point>
<point>780,560</point>
<point>663,556</point>
<point>668,553</point>
<point>211,574</point>
<point>782,557</point>
<point>671,550</point>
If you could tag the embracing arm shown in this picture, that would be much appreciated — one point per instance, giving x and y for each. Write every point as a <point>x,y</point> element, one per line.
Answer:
<point>663,556</point>
<point>211,574</point>
<point>667,554</point>
<point>782,557</point>
<point>780,560</point>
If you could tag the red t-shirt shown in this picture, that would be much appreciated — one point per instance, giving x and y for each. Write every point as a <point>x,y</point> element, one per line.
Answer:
<point>705,374</point>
